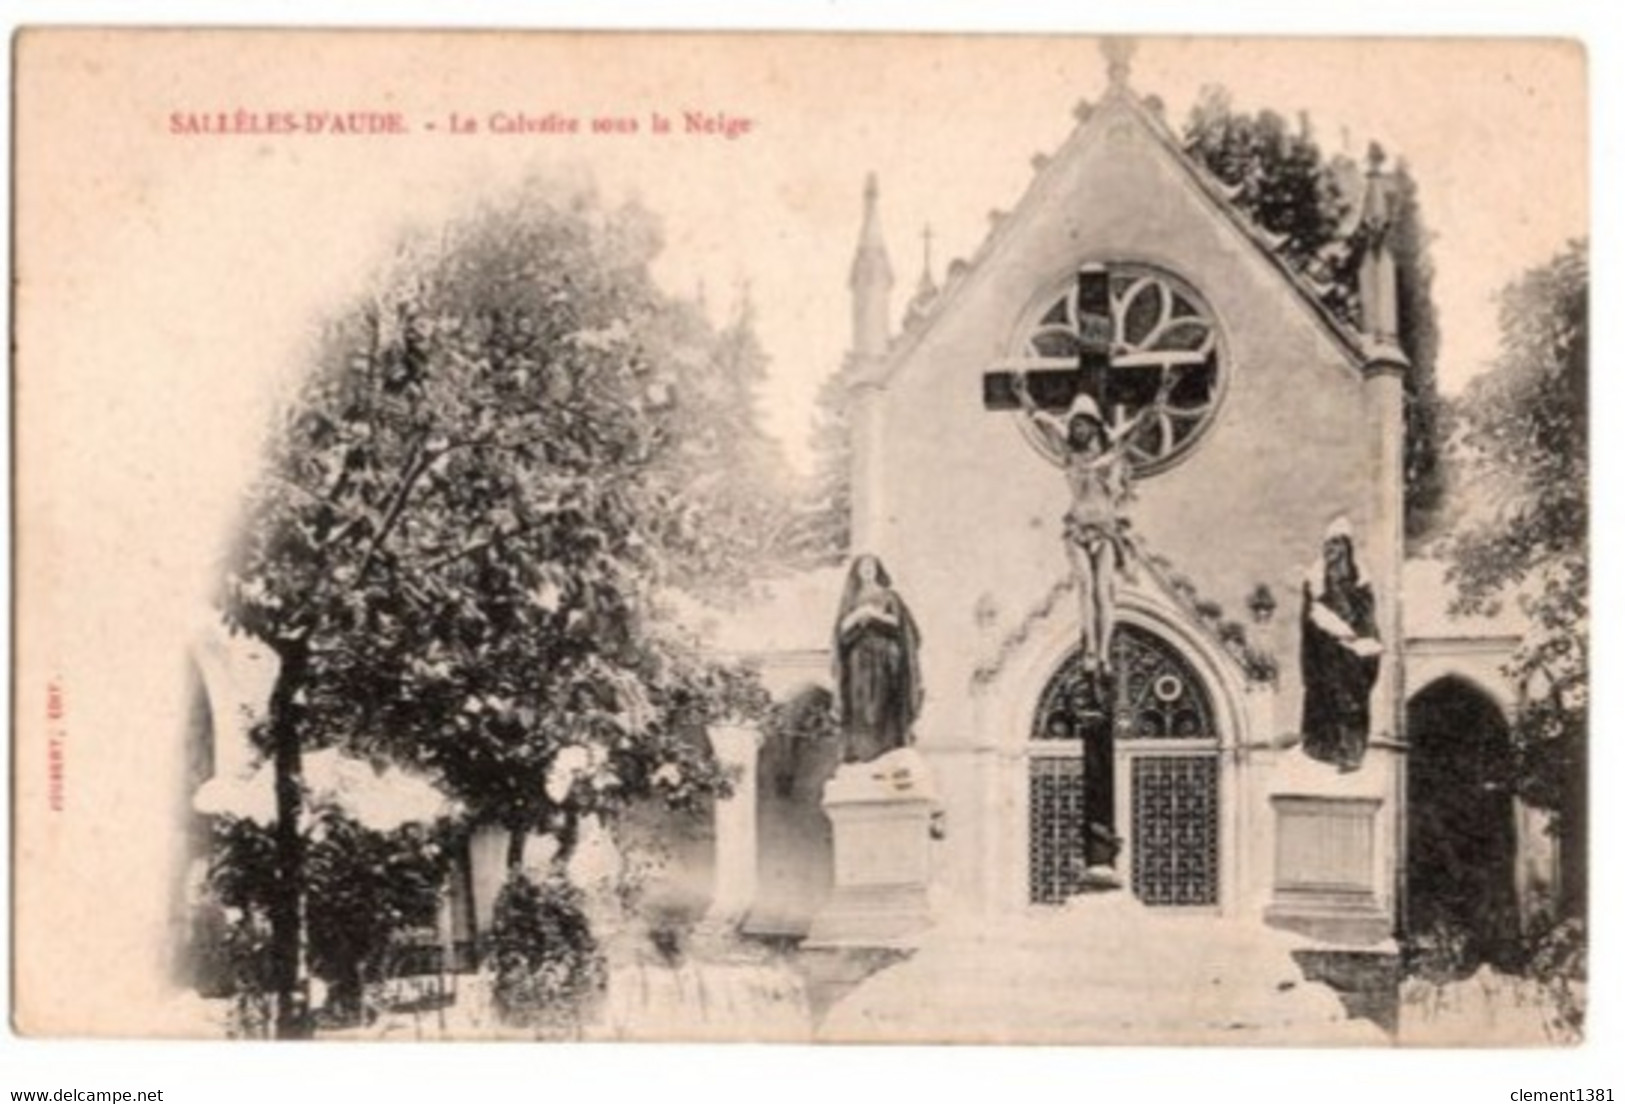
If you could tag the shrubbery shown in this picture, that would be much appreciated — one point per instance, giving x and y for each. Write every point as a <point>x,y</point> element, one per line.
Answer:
<point>367,889</point>
<point>550,971</point>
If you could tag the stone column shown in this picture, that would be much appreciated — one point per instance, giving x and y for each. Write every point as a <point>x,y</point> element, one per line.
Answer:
<point>1384,546</point>
<point>870,283</point>
<point>1385,369</point>
<point>1385,560</point>
<point>736,747</point>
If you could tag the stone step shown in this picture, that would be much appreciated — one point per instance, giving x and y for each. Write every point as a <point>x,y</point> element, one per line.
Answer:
<point>1102,970</point>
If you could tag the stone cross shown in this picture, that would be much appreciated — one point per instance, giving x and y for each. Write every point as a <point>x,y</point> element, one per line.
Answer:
<point>1119,54</point>
<point>1055,388</point>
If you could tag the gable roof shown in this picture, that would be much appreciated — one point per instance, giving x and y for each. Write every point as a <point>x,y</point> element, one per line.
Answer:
<point>1122,103</point>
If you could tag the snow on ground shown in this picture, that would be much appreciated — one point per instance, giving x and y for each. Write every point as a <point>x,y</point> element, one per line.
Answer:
<point>698,1001</point>
<point>1104,969</point>
<point>1489,1009</point>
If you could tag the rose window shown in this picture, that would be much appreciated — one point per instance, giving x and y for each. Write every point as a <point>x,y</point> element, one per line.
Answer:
<point>1154,326</point>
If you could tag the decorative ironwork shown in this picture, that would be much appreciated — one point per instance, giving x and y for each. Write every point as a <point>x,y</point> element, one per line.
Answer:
<point>1055,830</point>
<point>1173,815</point>
<point>1175,808</point>
<point>1158,325</point>
<point>1156,694</point>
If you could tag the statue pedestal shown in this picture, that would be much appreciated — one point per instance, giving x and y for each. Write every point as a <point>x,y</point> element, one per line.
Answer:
<point>1333,835</point>
<point>880,813</point>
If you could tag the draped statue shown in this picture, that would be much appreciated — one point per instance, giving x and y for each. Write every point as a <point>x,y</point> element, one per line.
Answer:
<point>1340,653</point>
<point>877,665</point>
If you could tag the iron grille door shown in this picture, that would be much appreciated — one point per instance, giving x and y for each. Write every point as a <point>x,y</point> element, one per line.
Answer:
<point>1055,844</point>
<point>1175,811</point>
<point>1163,720</point>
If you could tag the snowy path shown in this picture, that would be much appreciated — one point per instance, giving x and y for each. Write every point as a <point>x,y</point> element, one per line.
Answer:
<point>1103,970</point>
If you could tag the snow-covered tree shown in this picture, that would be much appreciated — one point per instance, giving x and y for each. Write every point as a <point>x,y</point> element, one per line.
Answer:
<point>464,525</point>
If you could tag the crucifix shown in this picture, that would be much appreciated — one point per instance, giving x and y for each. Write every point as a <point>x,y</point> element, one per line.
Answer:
<point>1068,417</point>
<point>1062,413</point>
<point>1054,388</point>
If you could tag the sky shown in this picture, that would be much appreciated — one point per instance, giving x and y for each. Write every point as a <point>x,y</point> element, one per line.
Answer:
<point>253,236</point>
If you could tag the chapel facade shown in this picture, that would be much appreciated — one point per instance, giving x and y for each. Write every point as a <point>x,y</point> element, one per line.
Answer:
<point>1285,422</point>
<point>1282,422</point>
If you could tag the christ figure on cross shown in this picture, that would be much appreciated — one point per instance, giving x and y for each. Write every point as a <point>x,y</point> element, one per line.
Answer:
<point>1093,456</point>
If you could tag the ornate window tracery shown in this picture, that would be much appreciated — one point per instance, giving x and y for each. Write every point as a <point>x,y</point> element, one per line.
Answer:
<point>1167,747</point>
<point>1157,694</point>
<point>1159,325</point>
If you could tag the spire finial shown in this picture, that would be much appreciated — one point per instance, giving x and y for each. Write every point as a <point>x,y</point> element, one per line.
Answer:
<point>1119,55</point>
<point>869,237</point>
<point>1375,156</point>
<point>926,290</point>
<point>1376,211</point>
<point>870,279</point>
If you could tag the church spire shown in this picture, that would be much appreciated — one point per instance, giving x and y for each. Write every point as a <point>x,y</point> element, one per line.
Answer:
<point>871,280</point>
<point>1379,286</point>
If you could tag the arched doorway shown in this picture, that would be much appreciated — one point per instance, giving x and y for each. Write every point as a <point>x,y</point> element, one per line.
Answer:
<point>1461,835</point>
<point>1165,774</point>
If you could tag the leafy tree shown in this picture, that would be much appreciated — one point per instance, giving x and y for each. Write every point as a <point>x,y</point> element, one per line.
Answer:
<point>1524,432</point>
<point>366,888</point>
<point>734,521</point>
<point>822,531</point>
<point>1427,415</point>
<point>1281,180</point>
<point>1285,184</point>
<point>467,517</point>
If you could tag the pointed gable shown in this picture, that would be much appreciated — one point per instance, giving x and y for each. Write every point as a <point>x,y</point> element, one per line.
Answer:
<point>1285,437</point>
<point>1122,154</point>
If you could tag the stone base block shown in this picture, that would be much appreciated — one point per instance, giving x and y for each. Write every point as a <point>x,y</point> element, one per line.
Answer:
<point>1326,873</point>
<point>1342,919</point>
<point>833,972</point>
<point>1365,979</point>
<point>870,916</point>
<point>880,816</point>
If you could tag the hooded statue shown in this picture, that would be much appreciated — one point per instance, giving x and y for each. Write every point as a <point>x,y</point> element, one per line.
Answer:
<point>1341,653</point>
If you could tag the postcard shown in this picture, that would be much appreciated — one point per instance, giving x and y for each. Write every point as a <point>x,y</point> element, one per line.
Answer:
<point>817,538</point>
